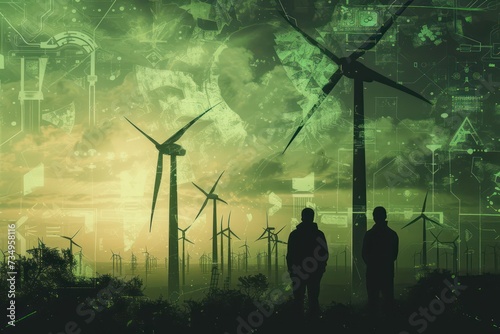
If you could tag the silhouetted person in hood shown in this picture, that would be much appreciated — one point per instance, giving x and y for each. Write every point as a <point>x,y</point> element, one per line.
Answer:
<point>307,254</point>
<point>380,250</point>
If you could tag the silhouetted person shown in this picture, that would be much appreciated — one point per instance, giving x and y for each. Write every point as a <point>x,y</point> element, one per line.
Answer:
<point>380,250</point>
<point>307,254</point>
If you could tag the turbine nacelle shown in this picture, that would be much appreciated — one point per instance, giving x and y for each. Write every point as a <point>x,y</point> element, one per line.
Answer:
<point>354,69</point>
<point>172,149</point>
<point>213,196</point>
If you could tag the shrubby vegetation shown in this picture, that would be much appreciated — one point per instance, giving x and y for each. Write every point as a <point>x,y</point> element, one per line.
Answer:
<point>65,303</point>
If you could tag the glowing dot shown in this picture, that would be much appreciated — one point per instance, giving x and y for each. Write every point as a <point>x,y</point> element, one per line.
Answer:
<point>118,58</point>
<point>470,151</point>
<point>73,11</point>
<point>444,115</point>
<point>112,77</point>
<point>77,0</point>
<point>73,20</point>
<point>99,9</point>
<point>13,123</point>
<point>122,8</point>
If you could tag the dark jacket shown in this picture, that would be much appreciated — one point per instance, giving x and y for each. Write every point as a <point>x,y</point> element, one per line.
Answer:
<point>380,250</point>
<point>307,241</point>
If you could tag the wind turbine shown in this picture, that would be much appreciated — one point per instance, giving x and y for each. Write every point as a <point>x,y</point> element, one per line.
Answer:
<point>424,218</point>
<point>229,233</point>
<point>247,253</point>
<point>275,246</point>
<point>351,68</point>
<point>495,257</point>
<point>71,242</point>
<point>437,242</point>
<point>117,262</point>
<point>455,253</point>
<point>184,239</point>
<point>222,235</point>
<point>269,231</point>
<point>133,263</point>
<point>214,197</point>
<point>80,260</point>
<point>169,147</point>
<point>147,262</point>
<point>468,258</point>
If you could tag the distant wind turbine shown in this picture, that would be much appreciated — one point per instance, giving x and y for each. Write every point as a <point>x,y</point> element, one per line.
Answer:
<point>276,241</point>
<point>169,147</point>
<point>211,195</point>
<point>424,218</point>
<point>437,242</point>
<point>184,239</point>
<point>229,232</point>
<point>269,231</point>
<point>247,254</point>
<point>71,242</point>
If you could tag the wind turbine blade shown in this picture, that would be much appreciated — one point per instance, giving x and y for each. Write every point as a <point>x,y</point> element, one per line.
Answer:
<point>176,136</point>
<point>279,231</point>
<point>190,241</point>
<point>375,38</point>
<point>148,137</point>
<point>223,201</point>
<point>159,172</point>
<point>375,76</point>
<point>433,235</point>
<point>76,233</point>
<point>202,207</point>
<point>414,220</point>
<point>431,220</point>
<point>200,189</point>
<point>215,184</point>
<point>62,236</point>
<point>263,233</point>
<point>334,79</point>
<point>425,200</point>
<point>74,243</point>
<point>234,234</point>
<point>229,219</point>
<point>311,40</point>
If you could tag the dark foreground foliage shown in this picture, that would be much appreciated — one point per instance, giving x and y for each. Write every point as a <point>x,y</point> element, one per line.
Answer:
<point>59,303</point>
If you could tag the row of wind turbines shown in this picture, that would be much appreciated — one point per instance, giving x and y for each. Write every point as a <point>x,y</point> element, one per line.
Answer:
<point>169,147</point>
<point>349,67</point>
